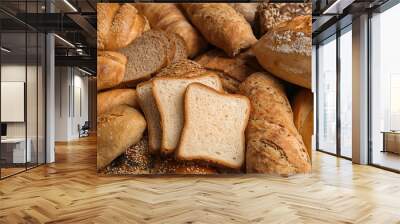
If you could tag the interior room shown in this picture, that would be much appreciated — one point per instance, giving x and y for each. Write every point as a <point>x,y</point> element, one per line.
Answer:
<point>49,126</point>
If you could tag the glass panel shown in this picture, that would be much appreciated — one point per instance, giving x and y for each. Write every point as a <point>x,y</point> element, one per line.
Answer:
<point>41,99</point>
<point>13,87</point>
<point>346,94</point>
<point>385,84</point>
<point>327,96</point>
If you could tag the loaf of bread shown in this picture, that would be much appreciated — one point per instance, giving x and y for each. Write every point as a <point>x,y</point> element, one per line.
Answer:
<point>117,129</point>
<point>148,54</point>
<point>274,145</point>
<point>214,126</point>
<point>271,14</point>
<point>235,67</point>
<point>173,166</point>
<point>303,116</point>
<point>168,17</point>
<point>112,98</point>
<point>285,51</point>
<point>182,68</point>
<point>118,25</point>
<point>248,10</point>
<point>110,69</point>
<point>221,25</point>
<point>169,93</point>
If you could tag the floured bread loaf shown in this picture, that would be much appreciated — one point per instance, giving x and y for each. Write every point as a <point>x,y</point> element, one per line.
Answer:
<point>169,94</point>
<point>285,51</point>
<point>214,126</point>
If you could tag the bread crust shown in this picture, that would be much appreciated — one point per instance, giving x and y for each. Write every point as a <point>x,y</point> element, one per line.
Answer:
<point>286,50</point>
<point>274,145</point>
<point>163,148</point>
<point>111,68</point>
<point>221,25</point>
<point>186,127</point>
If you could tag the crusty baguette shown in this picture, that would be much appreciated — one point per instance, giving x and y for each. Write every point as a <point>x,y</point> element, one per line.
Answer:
<point>149,108</point>
<point>285,51</point>
<point>221,25</point>
<point>234,67</point>
<point>303,116</point>
<point>118,25</point>
<point>168,17</point>
<point>113,98</point>
<point>118,129</point>
<point>214,126</point>
<point>271,14</point>
<point>111,68</point>
<point>274,145</point>
<point>169,93</point>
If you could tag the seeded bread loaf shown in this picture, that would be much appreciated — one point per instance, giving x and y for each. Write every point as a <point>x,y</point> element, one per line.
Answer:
<point>271,14</point>
<point>274,145</point>
<point>113,98</point>
<point>285,51</point>
<point>111,68</point>
<point>169,94</point>
<point>303,116</point>
<point>168,17</point>
<point>118,25</point>
<point>214,126</point>
<point>173,166</point>
<point>221,25</point>
<point>118,129</point>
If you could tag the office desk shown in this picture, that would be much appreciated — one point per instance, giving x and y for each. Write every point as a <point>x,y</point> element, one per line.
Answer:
<point>13,150</point>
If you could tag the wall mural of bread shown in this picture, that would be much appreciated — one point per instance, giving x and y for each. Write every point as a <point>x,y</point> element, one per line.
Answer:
<point>202,88</point>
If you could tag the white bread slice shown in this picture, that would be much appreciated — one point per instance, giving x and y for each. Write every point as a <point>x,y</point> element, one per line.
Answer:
<point>168,93</point>
<point>147,103</point>
<point>214,126</point>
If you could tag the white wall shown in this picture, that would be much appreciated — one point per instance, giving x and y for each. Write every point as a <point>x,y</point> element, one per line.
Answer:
<point>69,85</point>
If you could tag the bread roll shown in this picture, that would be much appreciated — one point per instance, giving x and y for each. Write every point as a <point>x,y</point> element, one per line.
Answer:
<point>274,145</point>
<point>118,25</point>
<point>285,51</point>
<point>113,98</point>
<point>248,10</point>
<point>303,116</point>
<point>221,25</point>
<point>169,18</point>
<point>118,129</point>
<point>271,14</point>
<point>110,69</point>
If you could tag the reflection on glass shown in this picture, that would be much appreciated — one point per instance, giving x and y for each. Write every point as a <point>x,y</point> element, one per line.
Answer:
<point>346,94</point>
<point>385,84</point>
<point>327,96</point>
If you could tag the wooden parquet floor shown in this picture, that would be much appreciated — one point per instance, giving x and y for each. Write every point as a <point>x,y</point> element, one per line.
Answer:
<point>70,191</point>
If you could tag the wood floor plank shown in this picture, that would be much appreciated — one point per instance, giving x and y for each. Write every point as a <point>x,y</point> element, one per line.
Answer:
<point>70,191</point>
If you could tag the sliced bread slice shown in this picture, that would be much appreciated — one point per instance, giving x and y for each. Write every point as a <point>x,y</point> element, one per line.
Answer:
<point>169,93</point>
<point>147,55</point>
<point>214,126</point>
<point>147,103</point>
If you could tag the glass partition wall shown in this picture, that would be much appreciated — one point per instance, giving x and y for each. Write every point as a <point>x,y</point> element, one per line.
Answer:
<point>22,100</point>
<point>334,93</point>
<point>385,89</point>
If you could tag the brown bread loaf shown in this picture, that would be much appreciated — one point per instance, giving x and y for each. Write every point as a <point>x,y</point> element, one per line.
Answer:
<point>303,116</point>
<point>168,17</point>
<point>285,51</point>
<point>115,97</point>
<point>118,129</point>
<point>118,25</point>
<point>111,68</point>
<point>173,166</point>
<point>235,67</point>
<point>271,14</point>
<point>248,10</point>
<point>221,25</point>
<point>274,145</point>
